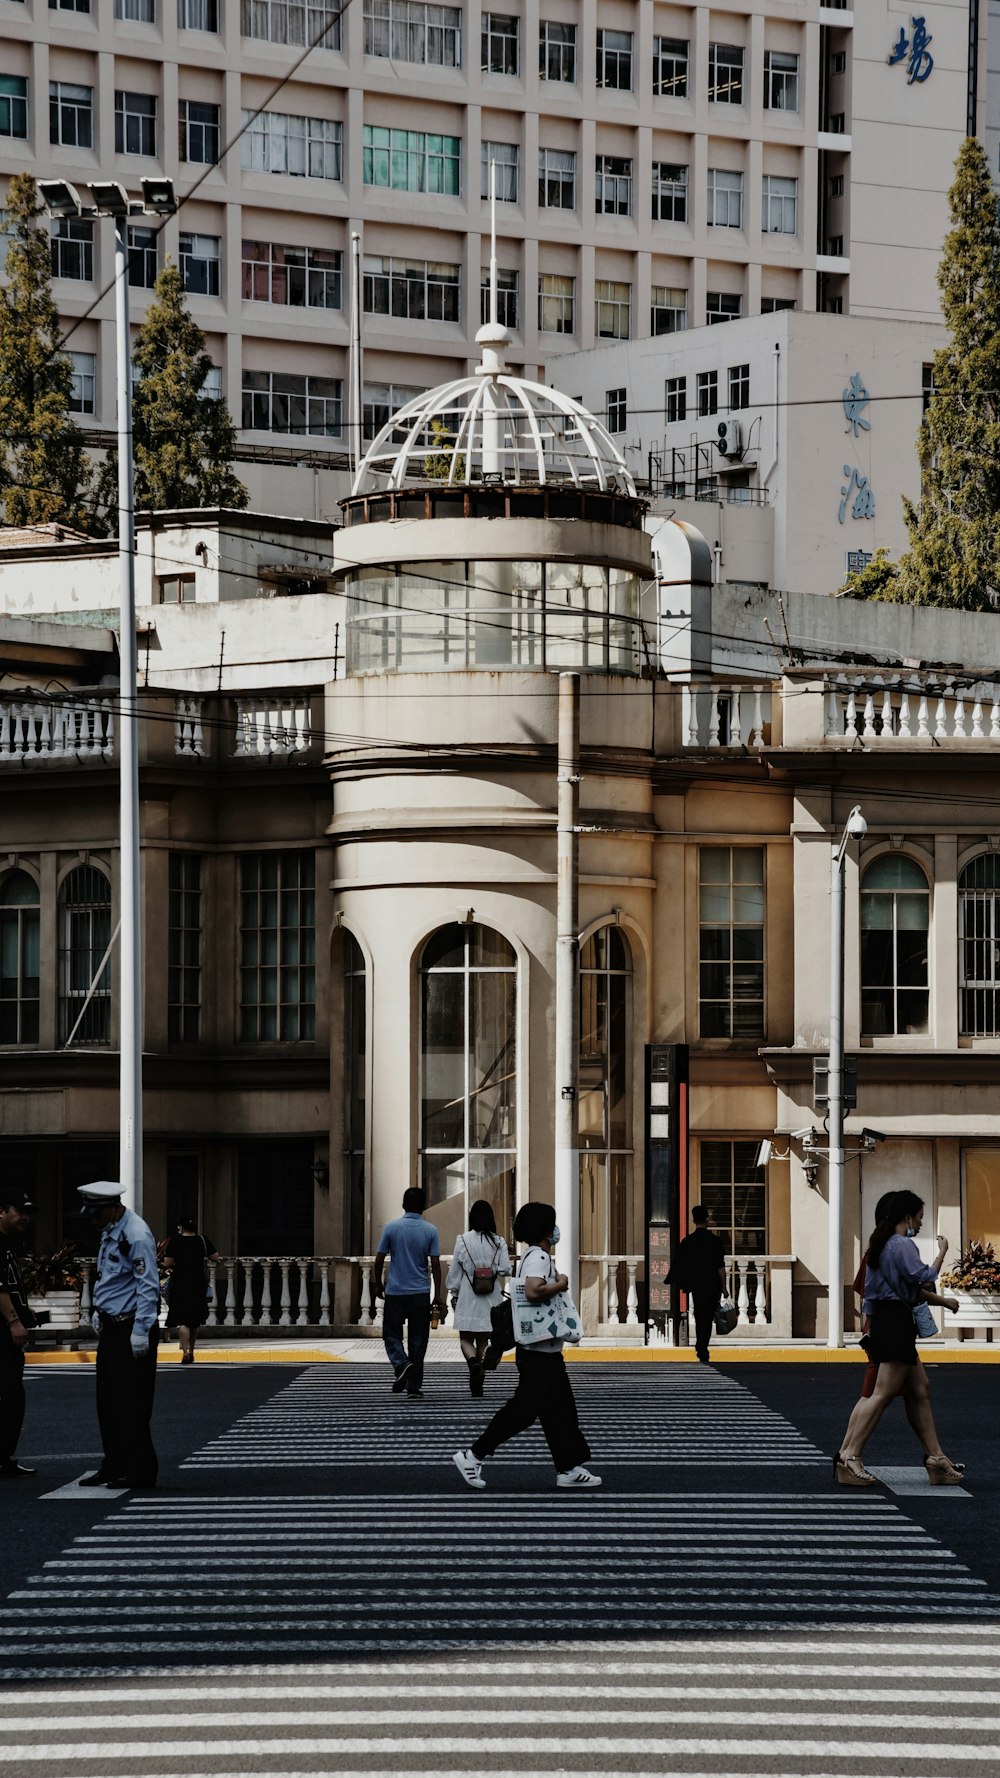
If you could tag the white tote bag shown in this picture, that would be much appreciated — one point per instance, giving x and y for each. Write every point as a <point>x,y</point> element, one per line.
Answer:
<point>558,1319</point>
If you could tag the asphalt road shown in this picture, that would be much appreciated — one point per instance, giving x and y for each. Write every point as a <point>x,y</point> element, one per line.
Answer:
<point>313,1591</point>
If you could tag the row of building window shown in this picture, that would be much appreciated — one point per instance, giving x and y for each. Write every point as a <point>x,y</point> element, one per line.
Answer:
<point>675,397</point>
<point>277,970</point>
<point>277,991</point>
<point>424,32</point>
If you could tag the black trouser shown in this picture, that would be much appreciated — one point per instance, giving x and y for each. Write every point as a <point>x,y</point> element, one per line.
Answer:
<point>413,1311</point>
<point>543,1393</point>
<point>11,1397</point>
<point>125,1388</point>
<point>705,1301</point>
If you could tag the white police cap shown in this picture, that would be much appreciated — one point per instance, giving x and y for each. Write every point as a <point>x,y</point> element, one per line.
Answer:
<point>101,1191</point>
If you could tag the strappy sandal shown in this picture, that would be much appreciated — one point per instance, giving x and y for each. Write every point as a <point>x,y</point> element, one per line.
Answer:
<point>942,1473</point>
<point>851,1473</point>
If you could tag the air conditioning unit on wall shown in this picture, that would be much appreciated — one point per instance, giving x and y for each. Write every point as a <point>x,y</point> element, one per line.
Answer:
<point>730,439</point>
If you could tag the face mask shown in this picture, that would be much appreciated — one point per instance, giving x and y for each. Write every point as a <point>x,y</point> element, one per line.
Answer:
<point>554,1238</point>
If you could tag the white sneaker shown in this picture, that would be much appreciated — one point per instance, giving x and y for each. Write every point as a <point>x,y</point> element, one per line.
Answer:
<point>469,1470</point>
<point>575,1478</point>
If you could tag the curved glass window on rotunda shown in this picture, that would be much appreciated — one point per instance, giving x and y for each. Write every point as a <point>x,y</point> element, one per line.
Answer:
<point>431,617</point>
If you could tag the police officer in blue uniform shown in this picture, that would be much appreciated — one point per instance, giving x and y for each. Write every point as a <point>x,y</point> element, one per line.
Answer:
<point>126,1305</point>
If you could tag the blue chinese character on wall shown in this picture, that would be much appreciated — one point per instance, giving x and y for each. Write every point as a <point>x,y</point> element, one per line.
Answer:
<point>914,52</point>
<point>863,504</point>
<point>856,399</point>
<point>858,560</point>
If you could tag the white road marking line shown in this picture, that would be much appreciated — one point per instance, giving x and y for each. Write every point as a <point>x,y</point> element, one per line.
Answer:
<point>538,1747</point>
<point>73,1491</point>
<point>377,1718</point>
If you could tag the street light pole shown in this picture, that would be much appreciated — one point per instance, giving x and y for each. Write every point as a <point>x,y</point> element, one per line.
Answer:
<point>130,953</point>
<point>856,828</point>
<point>111,199</point>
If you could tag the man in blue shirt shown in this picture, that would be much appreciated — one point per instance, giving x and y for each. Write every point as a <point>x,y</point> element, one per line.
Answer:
<point>126,1306</point>
<point>409,1243</point>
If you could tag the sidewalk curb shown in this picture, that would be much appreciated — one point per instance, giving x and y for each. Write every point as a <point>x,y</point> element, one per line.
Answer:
<point>288,1353</point>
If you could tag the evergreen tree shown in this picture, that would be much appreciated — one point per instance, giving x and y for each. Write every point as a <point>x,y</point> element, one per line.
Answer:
<point>954,553</point>
<point>437,463</point>
<point>45,473</point>
<point>183,441</point>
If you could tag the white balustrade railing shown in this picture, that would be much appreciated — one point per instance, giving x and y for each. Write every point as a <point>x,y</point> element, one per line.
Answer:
<point>726,713</point>
<point>618,1289</point>
<point>907,707</point>
<point>33,730</point>
<point>748,1287</point>
<point>188,733</point>
<point>272,726</point>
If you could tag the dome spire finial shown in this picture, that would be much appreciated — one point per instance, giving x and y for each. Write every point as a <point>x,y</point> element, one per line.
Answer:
<point>493,337</point>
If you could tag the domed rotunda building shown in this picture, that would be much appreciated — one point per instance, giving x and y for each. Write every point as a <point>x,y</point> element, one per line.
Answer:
<point>492,542</point>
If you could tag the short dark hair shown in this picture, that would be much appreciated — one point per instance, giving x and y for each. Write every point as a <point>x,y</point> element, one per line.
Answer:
<point>415,1198</point>
<point>699,1215</point>
<point>188,1223</point>
<point>11,1198</point>
<point>481,1217</point>
<point>534,1222</point>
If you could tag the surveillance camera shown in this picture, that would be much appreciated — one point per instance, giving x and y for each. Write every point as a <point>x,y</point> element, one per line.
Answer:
<point>764,1152</point>
<point>857,826</point>
<point>803,1135</point>
<point>870,1137</point>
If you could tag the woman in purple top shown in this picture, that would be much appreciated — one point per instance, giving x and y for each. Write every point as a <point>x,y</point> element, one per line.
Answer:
<point>896,1280</point>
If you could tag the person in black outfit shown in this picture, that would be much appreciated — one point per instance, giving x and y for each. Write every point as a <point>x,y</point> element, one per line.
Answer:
<point>16,1319</point>
<point>700,1269</point>
<point>187,1255</point>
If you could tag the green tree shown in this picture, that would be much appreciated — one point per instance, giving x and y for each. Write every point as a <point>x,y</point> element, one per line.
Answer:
<point>954,527</point>
<point>183,441</point>
<point>879,581</point>
<point>437,463</point>
<point>45,474</point>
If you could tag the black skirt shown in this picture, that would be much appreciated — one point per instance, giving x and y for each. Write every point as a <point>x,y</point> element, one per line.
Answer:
<point>893,1336</point>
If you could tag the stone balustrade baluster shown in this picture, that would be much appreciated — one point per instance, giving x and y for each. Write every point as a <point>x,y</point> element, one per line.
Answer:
<point>378,1302</point>
<point>757,738</point>
<point>691,694</point>
<point>713,716</point>
<point>831,708</point>
<point>324,1292</point>
<point>611,1275</point>
<point>977,715</point>
<point>760,1305</point>
<point>365,1311</point>
<point>632,1295</point>
<point>958,721</point>
<point>213,1295</point>
<point>995,713</point>
<point>904,714</point>
<point>923,718</point>
<point>868,732</point>
<point>285,1318</point>
<point>886,714</point>
<point>735,717</point>
<point>247,1314</point>
<point>941,719</point>
<point>851,717</point>
<point>266,1305</point>
<point>230,1318</point>
<point>743,1295</point>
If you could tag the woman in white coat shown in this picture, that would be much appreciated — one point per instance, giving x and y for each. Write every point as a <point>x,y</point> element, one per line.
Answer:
<point>479,1265</point>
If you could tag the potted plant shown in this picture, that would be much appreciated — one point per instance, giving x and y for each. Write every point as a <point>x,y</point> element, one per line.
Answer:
<point>975,1280</point>
<point>52,1281</point>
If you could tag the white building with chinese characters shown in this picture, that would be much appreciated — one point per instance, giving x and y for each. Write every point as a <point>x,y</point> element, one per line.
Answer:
<point>788,440</point>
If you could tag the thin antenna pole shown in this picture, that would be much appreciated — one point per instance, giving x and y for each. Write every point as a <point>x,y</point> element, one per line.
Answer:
<point>357,439</point>
<point>493,243</point>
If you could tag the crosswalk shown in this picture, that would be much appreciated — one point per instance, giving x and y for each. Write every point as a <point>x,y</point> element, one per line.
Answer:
<point>341,1415</point>
<point>763,1626</point>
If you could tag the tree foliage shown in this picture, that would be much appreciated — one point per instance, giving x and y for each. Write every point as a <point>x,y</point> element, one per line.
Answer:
<point>45,474</point>
<point>437,463</point>
<point>953,557</point>
<point>183,441</point>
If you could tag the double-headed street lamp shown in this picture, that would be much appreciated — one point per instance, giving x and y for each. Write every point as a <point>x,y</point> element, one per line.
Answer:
<point>108,198</point>
<point>855,829</point>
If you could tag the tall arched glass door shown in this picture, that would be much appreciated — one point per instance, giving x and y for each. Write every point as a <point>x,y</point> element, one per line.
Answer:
<point>355,1058</point>
<point>605,1073</point>
<point>468,1112</point>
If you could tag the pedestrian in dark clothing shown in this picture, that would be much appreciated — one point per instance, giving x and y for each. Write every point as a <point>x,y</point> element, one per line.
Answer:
<point>187,1255</point>
<point>16,1318</point>
<point>126,1306</point>
<point>700,1268</point>
<point>543,1387</point>
<point>408,1244</point>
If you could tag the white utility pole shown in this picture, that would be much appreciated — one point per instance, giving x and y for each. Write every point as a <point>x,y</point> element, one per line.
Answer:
<point>356,387</point>
<point>856,828</point>
<point>567,1110</point>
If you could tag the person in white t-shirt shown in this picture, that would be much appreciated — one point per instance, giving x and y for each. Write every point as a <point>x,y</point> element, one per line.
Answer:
<point>543,1388</point>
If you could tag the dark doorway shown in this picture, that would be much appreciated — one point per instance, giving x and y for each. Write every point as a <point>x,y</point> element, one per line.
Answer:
<point>275,1198</point>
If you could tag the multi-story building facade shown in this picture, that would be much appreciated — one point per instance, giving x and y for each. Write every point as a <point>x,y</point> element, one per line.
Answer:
<point>658,166</point>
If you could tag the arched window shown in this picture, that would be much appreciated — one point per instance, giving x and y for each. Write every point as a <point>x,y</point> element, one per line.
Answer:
<point>84,936</point>
<point>355,1045</point>
<point>605,1071</point>
<point>979,947</point>
<point>19,959</point>
<point>895,916</point>
<point>468,1119</point>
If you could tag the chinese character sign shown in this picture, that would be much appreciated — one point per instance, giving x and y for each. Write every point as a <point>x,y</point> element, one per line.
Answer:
<point>856,399</point>
<point>914,52</point>
<point>863,504</point>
